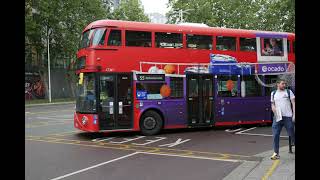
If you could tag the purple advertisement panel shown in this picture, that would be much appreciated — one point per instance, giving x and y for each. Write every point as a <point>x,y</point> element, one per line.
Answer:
<point>272,68</point>
<point>271,35</point>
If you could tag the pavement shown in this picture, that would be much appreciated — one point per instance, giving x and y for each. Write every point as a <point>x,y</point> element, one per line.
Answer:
<point>54,150</point>
<point>281,169</point>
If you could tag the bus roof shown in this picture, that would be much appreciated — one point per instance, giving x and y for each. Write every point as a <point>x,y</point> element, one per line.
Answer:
<point>144,26</point>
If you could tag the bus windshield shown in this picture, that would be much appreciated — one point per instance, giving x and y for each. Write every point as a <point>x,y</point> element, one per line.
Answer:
<point>85,39</point>
<point>86,96</point>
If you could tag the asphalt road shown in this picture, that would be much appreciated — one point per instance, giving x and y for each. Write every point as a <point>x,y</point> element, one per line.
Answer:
<point>54,149</point>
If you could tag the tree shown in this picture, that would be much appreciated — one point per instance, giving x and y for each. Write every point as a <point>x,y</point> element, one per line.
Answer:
<point>273,15</point>
<point>62,23</point>
<point>130,10</point>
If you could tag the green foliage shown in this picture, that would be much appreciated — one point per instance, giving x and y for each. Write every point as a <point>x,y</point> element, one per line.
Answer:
<point>272,15</point>
<point>130,10</point>
<point>61,21</point>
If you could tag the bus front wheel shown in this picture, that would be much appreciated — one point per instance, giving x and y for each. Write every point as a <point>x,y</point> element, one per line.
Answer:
<point>151,123</point>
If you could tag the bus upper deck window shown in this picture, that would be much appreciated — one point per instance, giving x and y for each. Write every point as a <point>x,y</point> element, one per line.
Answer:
<point>199,41</point>
<point>85,39</point>
<point>114,38</point>
<point>168,40</point>
<point>272,47</point>
<point>226,43</point>
<point>99,36</point>
<point>248,44</point>
<point>138,38</point>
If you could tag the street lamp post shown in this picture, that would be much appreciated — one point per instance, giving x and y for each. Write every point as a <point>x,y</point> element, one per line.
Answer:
<point>180,14</point>
<point>49,84</point>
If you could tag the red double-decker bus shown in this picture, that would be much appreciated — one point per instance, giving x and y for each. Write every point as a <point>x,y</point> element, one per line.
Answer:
<point>111,97</point>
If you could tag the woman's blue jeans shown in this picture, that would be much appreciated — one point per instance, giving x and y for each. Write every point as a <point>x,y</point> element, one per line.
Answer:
<point>276,130</point>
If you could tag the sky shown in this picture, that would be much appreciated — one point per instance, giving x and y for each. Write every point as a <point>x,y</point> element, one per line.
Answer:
<point>159,6</point>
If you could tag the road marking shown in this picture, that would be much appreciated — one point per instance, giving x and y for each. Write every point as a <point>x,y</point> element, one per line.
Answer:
<point>270,171</point>
<point>127,140</point>
<point>102,139</point>
<point>54,118</point>
<point>64,133</point>
<point>43,124</point>
<point>255,134</point>
<point>194,157</point>
<point>228,130</point>
<point>175,143</point>
<point>246,130</point>
<point>150,141</point>
<point>181,152</point>
<point>49,111</point>
<point>97,165</point>
<point>266,135</point>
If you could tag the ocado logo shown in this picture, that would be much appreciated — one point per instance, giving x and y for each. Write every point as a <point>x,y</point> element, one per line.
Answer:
<point>272,69</point>
<point>264,68</point>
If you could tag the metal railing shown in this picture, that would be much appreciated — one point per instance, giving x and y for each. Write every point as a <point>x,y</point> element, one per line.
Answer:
<point>207,65</point>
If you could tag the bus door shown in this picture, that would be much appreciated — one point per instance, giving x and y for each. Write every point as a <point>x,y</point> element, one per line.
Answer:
<point>116,110</point>
<point>200,97</point>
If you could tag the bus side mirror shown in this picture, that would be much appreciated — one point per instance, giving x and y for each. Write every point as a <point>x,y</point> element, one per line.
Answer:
<point>80,78</point>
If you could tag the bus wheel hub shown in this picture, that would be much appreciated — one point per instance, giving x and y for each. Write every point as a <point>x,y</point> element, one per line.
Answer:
<point>149,123</point>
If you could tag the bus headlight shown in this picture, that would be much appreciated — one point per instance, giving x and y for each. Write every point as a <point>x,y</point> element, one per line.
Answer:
<point>84,120</point>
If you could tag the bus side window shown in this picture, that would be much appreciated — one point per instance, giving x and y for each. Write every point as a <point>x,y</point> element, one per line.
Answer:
<point>227,86</point>
<point>138,38</point>
<point>252,87</point>
<point>248,44</point>
<point>199,41</point>
<point>226,43</point>
<point>152,90</point>
<point>114,38</point>
<point>168,40</point>
<point>270,79</point>
<point>176,86</point>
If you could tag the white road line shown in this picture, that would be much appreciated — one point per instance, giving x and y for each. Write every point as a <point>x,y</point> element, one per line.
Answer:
<point>54,118</point>
<point>245,130</point>
<point>100,140</point>
<point>228,130</point>
<point>194,157</point>
<point>266,135</point>
<point>91,167</point>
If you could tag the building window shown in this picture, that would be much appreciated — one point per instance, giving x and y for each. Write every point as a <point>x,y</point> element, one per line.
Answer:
<point>114,38</point>
<point>226,43</point>
<point>272,47</point>
<point>227,86</point>
<point>99,36</point>
<point>176,86</point>
<point>199,41</point>
<point>138,38</point>
<point>248,44</point>
<point>168,40</point>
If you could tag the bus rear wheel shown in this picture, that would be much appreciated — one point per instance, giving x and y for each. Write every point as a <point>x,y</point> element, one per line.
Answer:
<point>151,123</point>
